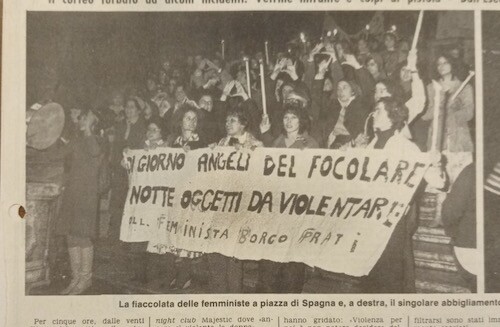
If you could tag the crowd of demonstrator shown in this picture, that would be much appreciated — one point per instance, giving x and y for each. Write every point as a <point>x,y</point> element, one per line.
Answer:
<point>337,94</point>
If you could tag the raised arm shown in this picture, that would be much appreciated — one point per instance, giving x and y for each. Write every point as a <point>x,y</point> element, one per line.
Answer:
<point>416,103</point>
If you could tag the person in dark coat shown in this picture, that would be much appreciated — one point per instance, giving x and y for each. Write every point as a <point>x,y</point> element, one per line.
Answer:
<point>79,208</point>
<point>212,114</point>
<point>459,220</point>
<point>492,227</point>
<point>391,55</point>
<point>394,272</point>
<point>346,117</point>
<point>131,134</point>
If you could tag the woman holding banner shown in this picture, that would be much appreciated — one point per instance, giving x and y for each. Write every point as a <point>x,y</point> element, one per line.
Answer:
<point>394,271</point>
<point>275,277</point>
<point>226,274</point>
<point>186,136</point>
<point>147,266</point>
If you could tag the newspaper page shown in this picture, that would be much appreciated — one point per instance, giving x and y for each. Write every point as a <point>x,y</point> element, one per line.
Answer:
<point>245,163</point>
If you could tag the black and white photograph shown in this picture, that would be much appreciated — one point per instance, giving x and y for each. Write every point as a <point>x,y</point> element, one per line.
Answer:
<point>254,152</point>
<point>491,68</point>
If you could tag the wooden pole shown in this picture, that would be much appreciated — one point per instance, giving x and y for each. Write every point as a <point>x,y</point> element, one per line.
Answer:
<point>417,30</point>
<point>267,52</point>
<point>471,74</point>
<point>435,119</point>
<point>247,66</point>
<point>222,46</point>
<point>263,87</point>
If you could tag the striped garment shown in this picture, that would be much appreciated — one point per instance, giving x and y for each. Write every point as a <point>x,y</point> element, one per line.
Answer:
<point>493,180</point>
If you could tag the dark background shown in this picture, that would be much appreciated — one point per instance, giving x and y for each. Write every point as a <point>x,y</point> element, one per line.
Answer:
<point>491,88</point>
<point>82,51</point>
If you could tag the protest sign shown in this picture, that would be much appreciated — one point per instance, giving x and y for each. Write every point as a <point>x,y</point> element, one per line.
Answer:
<point>331,209</point>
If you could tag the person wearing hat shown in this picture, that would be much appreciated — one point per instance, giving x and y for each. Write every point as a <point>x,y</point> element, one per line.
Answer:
<point>79,207</point>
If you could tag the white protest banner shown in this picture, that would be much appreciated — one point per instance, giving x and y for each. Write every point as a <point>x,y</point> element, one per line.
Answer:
<point>331,209</point>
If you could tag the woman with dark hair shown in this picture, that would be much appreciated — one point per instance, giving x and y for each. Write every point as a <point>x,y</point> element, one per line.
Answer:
<point>225,273</point>
<point>236,99</point>
<point>346,116</point>
<point>79,208</point>
<point>392,54</point>
<point>130,133</point>
<point>237,133</point>
<point>160,270</point>
<point>275,277</point>
<point>458,112</point>
<point>394,271</point>
<point>185,134</point>
<point>155,134</point>
<point>147,266</point>
<point>171,116</point>
<point>374,64</point>
<point>389,118</point>
<point>454,138</point>
<point>343,112</point>
<point>150,112</point>
<point>287,90</point>
<point>388,88</point>
<point>295,128</point>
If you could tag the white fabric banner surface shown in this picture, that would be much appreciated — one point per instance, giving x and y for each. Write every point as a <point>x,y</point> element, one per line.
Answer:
<point>331,209</point>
